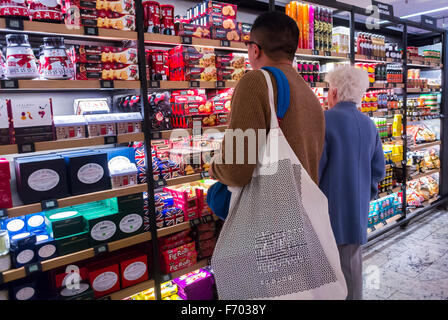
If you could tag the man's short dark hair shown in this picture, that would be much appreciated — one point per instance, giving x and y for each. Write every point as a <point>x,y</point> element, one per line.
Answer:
<point>277,34</point>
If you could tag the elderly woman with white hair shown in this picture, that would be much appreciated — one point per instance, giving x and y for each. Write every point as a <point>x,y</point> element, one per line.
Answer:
<point>351,166</point>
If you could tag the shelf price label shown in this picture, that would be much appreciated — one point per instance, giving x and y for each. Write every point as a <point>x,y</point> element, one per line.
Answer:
<point>165,277</point>
<point>49,204</point>
<point>328,53</point>
<point>154,84</point>
<point>195,84</point>
<point>220,84</point>
<point>186,40</point>
<point>10,84</point>
<point>33,268</point>
<point>207,219</point>
<point>110,140</point>
<point>90,31</point>
<point>225,43</point>
<point>106,84</point>
<point>156,135</point>
<point>26,148</point>
<point>100,249</point>
<point>315,52</point>
<point>14,24</point>
<point>161,183</point>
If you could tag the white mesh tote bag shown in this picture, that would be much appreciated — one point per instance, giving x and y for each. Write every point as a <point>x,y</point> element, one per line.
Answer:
<point>277,241</point>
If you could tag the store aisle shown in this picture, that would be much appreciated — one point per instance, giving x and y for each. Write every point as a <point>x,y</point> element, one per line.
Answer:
<point>410,264</point>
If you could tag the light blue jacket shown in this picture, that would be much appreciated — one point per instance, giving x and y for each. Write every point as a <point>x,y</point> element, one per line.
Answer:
<point>352,164</point>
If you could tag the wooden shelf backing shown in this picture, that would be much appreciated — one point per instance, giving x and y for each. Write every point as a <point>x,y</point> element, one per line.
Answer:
<point>153,38</point>
<point>384,194</point>
<point>425,145</point>
<point>420,90</point>
<point>62,29</point>
<point>127,292</point>
<point>360,57</point>
<point>172,85</point>
<point>168,134</point>
<point>174,229</point>
<point>421,175</point>
<point>74,84</point>
<point>83,198</point>
<point>184,179</point>
<point>321,54</point>
<point>73,143</point>
<point>19,273</point>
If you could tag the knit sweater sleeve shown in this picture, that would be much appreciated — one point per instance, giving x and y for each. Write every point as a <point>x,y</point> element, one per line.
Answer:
<point>249,113</point>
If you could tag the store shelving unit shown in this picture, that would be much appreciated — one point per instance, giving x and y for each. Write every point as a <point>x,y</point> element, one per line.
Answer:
<point>145,86</point>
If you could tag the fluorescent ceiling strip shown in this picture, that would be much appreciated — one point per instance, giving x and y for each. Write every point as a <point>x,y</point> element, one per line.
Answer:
<point>424,12</point>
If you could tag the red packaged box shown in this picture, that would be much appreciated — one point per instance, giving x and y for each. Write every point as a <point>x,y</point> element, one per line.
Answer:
<point>167,19</point>
<point>133,270</point>
<point>222,119</point>
<point>61,276</point>
<point>118,71</point>
<point>225,34</point>
<point>221,106</point>
<point>244,30</point>
<point>192,30</point>
<point>151,11</point>
<point>185,262</point>
<point>229,74</point>
<point>220,8</point>
<point>88,71</point>
<point>219,21</point>
<point>200,74</point>
<point>85,54</point>
<point>45,10</point>
<point>118,6</point>
<point>104,279</point>
<point>177,253</point>
<point>13,8</point>
<point>119,55</point>
<point>231,60</point>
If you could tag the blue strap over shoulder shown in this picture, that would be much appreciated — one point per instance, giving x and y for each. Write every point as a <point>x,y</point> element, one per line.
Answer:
<point>283,90</point>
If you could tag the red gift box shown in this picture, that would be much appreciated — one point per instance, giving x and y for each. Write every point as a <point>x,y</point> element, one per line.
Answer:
<point>104,279</point>
<point>167,19</point>
<point>133,270</point>
<point>185,262</point>
<point>151,11</point>
<point>40,10</point>
<point>12,8</point>
<point>60,276</point>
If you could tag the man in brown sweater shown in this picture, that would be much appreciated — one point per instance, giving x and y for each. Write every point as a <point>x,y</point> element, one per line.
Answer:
<point>273,42</point>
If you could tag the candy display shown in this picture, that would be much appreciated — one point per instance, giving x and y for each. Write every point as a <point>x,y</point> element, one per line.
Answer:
<point>315,25</point>
<point>424,105</point>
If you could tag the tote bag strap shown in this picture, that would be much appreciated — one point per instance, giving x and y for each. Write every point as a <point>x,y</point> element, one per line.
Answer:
<point>283,94</point>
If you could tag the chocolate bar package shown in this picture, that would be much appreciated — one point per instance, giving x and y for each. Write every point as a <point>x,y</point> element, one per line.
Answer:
<point>88,71</point>
<point>85,54</point>
<point>192,30</point>
<point>229,74</point>
<point>225,34</point>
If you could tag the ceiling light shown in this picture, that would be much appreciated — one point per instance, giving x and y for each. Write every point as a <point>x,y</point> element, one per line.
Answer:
<point>424,12</point>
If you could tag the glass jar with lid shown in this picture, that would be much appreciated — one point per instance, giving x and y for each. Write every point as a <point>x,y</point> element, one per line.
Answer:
<point>20,60</point>
<point>2,64</point>
<point>55,64</point>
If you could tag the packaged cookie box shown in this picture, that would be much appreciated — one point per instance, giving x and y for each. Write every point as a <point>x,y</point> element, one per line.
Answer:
<point>188,159</point>
<point>104,277</point>
<point>178,258</point>
<point>70,127</point>
<point>225,34</point>
<point>129,122</point>
<point>101,125</point>
<point>185,200</point>
<point>91,106</point>
<point>85,54</point>
<point>118,71</point>
<point>119,6</point>
<point>88,71</point>
<point>200,74</point>
<point>119,55</point>
<point>229,74</point>
<point>219,8</point>
<point>230,60</point>
<point>192,30</point>
<point>202,59</point>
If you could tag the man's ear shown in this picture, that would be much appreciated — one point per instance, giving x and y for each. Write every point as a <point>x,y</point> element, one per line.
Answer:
<point>334,93</point>
<point>257,52</point>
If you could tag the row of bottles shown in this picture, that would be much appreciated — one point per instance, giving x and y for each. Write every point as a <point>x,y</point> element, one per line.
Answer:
<point>369,44</point>
<point>315,25</point>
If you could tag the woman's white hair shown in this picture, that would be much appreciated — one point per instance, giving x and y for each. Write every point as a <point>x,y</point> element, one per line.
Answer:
<point>350,82</point>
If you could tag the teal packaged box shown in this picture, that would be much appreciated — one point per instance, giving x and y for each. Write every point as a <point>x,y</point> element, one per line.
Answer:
<point>73,243</point>
<point>102,226</point>
<point>129,224</point>
<point>64,222</point>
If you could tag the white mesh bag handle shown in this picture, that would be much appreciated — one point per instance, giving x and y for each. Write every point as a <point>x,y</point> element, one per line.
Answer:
<point>277,242</point>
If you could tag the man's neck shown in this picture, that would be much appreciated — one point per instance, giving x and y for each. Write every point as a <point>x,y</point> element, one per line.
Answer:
<point>284,63</point>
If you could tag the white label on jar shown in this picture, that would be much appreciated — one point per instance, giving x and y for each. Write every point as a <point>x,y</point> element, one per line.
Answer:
<point>63,215</point>
<point>103,230</point>
<point>134,271</point>
<point>25,293</point>
<point>25,256</point>
<point>90,173</point>
<point>15,225</point>
<point>105,281</point>
<point>73,292</point>
<point>46,251</point>
<point>43,180</point>
<point>20,63</point>
<point>131,223</point>
<point>5,262</point>
<point>35,221</point>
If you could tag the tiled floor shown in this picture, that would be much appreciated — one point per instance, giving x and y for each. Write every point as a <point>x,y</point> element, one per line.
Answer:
<point>411,263</point>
